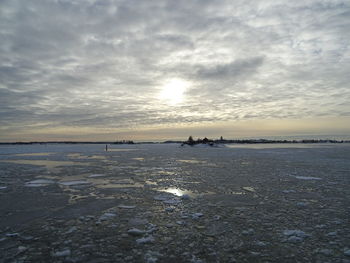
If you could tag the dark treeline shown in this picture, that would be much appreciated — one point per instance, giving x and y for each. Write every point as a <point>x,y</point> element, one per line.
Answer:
<point>211,142</point>
<point>123,142</point>
<point>53,142</point>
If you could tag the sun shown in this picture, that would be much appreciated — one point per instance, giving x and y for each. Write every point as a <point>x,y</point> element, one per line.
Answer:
<point>172,91</point>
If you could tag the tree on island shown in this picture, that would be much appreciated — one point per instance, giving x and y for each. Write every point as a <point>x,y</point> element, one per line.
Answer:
<point>190,140</point>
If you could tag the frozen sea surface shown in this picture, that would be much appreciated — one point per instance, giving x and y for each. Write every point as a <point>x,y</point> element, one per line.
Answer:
<point>167,203</point>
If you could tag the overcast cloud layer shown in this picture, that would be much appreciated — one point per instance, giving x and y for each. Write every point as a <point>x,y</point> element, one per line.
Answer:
<point>102,64</point>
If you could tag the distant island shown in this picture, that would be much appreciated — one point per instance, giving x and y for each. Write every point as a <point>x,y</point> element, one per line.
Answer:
<point>210,142</point>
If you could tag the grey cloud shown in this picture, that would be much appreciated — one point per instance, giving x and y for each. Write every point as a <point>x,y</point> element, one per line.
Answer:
<point>234,69</point>
<point>102,63</point>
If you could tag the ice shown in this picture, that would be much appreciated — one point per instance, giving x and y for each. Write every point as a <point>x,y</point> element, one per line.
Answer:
<point>126,206</point>
<point>308,178</point>
<point>62,253</point>
<point>71,230</point>
<point>22,249</point>
<point>169,209</point>
<point>347,252</point>
<point>39,182</point>
<point>295,236</point>
<point>248,189</point>
<point>152,257</point>
<point>288,191</point>
<point>124,181</point>
<point>77,182</point>
<point>138,221</point>
<point>160,197</point>
<point>185,197</point>
<point>114,214</point>
<point>197,215</point>
<point>96,175</point>
<point>107,216</point>
<point>260,243</point>
<point>297,233</point>
<point>249,231</point>
<point>12,234</point>
<point>145,240</point>
<point>192,161</point>
<point>172,202</point>
<point>294,239</point>
<point>136,232</point>
<point>326,251</point>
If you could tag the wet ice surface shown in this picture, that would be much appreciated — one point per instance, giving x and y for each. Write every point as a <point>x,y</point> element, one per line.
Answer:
<point>166,203</point>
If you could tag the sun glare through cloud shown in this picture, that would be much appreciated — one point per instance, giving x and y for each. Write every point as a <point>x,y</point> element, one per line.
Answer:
<point>172,91</point>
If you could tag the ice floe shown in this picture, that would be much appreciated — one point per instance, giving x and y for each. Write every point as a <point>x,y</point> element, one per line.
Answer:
<point>96,175</point>
<point>145,240</point>
<point>107,216</point>
<point>136,232</point>
<point>295,236</point>
<point>62,253</point>
<point>170,209</point>
<point>248,189</point>
<point>22,249</point>
<point>325,251</point>
<point>77,182</point>
<point>347,252</point>
<point>12,234</point>
<point>39,182</point>
<point>288,191</point>
<point>152,257</point>
<point>126,206</point>
<point>172,201</point>
<point>297,233</point>
<point>71,230</point>
<point>308,178</point>
<point>197,215</point>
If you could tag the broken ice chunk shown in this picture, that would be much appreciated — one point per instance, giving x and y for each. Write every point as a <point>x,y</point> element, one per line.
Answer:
<point>126,206</point>
<point>107,216</point>
<point>71,230</point>
<point>172,202</point>
<point>39,182</point>
<point>288,191</point>
<point>96,175</point>
<point>22,249</point>
<point>295,236</point>
<point>63,253</point>
<point>197,215</point>
<point>185,197</point>
<point>248,189</point>
<point>169,209</point>
<point>136,232</point>
<point>297,233</point>
<point>294,239</point>
<point>307,178</point>
<point>160,197</point>
<point>347,252</point>
<point>145,240</point>
<point>78,182</point>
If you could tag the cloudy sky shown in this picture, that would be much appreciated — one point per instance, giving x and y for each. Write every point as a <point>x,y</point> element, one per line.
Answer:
<point>149,70</point>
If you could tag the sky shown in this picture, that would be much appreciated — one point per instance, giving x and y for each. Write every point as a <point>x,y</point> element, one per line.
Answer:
<point>166,69</point>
